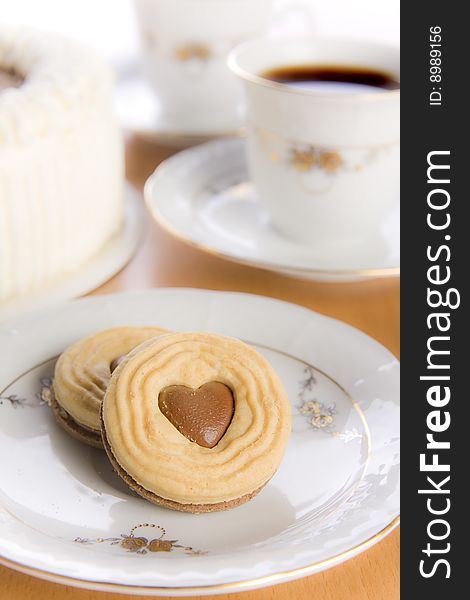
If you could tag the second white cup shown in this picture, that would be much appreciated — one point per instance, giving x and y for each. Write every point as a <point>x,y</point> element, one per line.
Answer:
<point>185,44</point>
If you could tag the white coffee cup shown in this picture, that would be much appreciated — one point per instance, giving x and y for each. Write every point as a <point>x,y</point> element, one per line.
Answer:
<point>185,44</point>
<point>325,164</point>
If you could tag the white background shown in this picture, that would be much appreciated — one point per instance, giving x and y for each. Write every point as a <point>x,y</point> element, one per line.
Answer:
<point>109,26</point>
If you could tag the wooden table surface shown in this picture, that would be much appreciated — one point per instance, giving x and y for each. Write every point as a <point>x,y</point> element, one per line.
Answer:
<point>372,307</point>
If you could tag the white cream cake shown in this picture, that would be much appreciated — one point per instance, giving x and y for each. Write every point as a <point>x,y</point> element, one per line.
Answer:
<point>61,159</point>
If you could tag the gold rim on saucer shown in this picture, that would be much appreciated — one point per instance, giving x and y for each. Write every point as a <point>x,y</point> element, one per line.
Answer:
<point>273,267</point>
<point>269,266</point>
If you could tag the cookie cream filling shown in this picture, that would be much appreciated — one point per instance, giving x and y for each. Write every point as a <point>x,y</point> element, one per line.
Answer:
<point>83,370</point>
<point>61,159</point>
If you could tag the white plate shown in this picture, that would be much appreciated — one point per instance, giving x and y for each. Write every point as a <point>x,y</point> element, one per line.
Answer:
<point>203,197</point>
<point>137,109</point>
<point>64,514</point>
<point>116,253</point>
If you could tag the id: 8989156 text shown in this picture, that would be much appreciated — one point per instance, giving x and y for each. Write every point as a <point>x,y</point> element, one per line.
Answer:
<point>435,65</point>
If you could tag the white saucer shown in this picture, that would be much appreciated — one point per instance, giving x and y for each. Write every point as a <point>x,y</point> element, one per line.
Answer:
<point>136,106</point>
<point>67,517</point>
<point>202,196</point>
<point>116,253</point>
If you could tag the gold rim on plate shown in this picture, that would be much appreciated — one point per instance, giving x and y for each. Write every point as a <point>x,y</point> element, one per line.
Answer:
<point>236,585</point>
<point>107,586</point>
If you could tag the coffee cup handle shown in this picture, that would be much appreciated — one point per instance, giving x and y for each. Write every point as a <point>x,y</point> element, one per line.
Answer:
<point>288,9</point>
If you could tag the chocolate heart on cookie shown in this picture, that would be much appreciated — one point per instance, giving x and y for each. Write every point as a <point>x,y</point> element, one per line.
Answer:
<point>202,415</point>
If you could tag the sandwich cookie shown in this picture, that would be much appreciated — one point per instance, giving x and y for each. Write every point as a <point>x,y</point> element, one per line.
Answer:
<point>82,374</point>
<point>195,422</point>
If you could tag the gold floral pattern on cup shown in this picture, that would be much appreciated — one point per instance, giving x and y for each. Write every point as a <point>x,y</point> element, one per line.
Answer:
<point>307,158</point>
<point>193,51</point>
<point>304,159</point>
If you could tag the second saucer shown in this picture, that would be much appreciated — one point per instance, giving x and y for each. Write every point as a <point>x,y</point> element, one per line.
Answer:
<point>203,196</point>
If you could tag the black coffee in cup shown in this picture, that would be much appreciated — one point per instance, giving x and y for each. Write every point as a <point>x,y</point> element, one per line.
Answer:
<point>333,78</point>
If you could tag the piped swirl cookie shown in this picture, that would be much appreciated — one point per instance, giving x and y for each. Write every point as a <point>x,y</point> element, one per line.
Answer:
<point>195,422</point>
<point>82,374</point>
